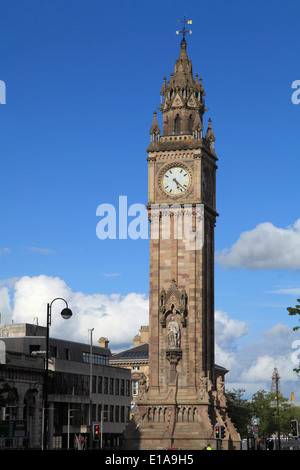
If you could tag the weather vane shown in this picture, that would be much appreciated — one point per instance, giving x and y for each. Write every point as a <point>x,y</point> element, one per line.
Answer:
<point>184,31</point>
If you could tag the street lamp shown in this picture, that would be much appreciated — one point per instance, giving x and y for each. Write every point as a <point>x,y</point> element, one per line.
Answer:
<point>69,419</point>
<point>91,388</point>
<point>66,313</point>
<point>101,432</point>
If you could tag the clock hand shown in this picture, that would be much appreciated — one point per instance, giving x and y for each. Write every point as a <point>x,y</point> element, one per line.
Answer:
<point>178,184</point>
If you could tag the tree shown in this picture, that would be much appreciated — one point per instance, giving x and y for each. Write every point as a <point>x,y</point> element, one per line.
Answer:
<point>239,410</point>
<point>264,409</point>
<point>274,413</point>
<point>295,311</point>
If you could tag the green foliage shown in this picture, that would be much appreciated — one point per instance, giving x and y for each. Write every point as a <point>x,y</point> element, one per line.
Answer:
<point>239,410</point>
<point>274,413</point>
<point>295,311</point>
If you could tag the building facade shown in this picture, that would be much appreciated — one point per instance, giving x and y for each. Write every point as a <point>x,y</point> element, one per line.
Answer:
<point>184,398</point>
<point>136,359</point>
<point>72,403</point>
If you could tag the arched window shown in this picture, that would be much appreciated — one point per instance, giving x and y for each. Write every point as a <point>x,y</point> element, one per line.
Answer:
<point>190,124</point>
<point>177,124</point>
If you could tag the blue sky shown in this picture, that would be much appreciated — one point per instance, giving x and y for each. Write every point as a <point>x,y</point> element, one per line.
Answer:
<point>82,81</point>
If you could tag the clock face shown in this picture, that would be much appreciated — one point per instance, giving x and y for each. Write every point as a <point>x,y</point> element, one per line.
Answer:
<point>176,181</point>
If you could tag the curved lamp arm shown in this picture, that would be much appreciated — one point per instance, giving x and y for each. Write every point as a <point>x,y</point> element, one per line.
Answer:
<point>66,313</point>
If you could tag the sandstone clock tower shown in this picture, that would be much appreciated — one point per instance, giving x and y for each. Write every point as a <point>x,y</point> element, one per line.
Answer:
<point>183,398</point>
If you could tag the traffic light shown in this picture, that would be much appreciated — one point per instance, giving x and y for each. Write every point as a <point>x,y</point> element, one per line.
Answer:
<point>294,427</point>
<point>217,432</point>
<point>96,432</point>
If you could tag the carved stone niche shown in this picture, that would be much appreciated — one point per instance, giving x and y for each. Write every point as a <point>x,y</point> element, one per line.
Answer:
<point>173,302</point>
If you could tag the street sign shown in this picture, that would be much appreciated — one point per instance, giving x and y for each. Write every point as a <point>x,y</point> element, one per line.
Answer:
<point>13,428</point>
<point>255,421</point>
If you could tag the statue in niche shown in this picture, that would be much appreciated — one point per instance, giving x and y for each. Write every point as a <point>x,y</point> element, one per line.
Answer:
<point>173,334</point>
<point>220,385</point>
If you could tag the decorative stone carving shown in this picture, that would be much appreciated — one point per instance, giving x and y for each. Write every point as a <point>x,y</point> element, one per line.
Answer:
<point>203,387</point>
<point>142,390</point>
<point>220,385</point>
<point>174,356</point>
<point>173,302</point>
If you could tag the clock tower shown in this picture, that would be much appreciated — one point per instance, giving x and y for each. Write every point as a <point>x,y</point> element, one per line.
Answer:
<point>183,398</point>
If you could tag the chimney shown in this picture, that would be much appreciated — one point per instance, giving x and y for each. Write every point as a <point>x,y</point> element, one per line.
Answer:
<point>103,342</point>
<point>136,340</point>
<point>144,331</point>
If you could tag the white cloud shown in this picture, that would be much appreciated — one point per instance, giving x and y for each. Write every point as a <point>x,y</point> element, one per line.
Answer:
<point>288,290</point>
<point>251,365</point>
<point>5,307</point>
<point>264,247</point>
<point>116,317</point>
<point>42,251</point>
<point>228,330</point>
<point>111,274</point>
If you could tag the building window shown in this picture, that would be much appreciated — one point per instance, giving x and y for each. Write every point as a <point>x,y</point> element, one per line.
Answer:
<point>111,386</point>
<point>100,381</point>
<point>96,358</point>
<point>105,413</point>
<point>111,413</point>
<point>94,382</point>
<point>128,388</point>
<point>117,386</point>
<point>53,351</point>
<point>122,387</point>
<point>67,353</point>
<point>122,414</point>
<point>105,385</point>
<point>135,387</point>
<point>135,367</point>
<point>117,413</point>
<point>177,125</point>
<point>85,385</point>
<point>190,124</point>
<point>33,348</point>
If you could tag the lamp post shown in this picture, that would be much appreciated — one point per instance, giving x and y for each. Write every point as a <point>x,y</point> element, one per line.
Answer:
<point>66,313</point>
<point>278,416</point>
<point>91,389</point>
<point>69,419</point>
<point>101,429</point>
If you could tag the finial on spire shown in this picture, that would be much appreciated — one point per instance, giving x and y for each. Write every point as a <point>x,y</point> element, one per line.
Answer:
<point>184,31</point>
